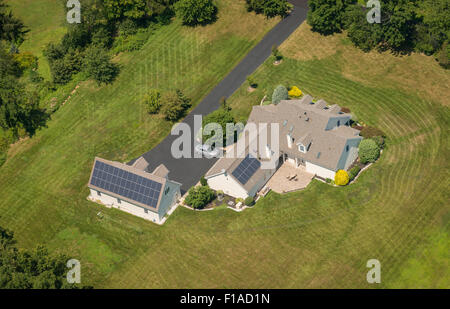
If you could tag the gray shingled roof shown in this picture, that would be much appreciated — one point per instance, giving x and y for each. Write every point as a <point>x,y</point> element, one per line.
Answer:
<point>306,122</point>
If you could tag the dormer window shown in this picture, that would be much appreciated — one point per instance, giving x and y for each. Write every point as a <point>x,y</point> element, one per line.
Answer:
<point>338,123</point>
<point>347,148</point>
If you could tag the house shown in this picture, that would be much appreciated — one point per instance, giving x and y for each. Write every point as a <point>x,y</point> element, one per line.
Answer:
<point>132,189</point>
<point>240,173</point>
<point>314,135</point>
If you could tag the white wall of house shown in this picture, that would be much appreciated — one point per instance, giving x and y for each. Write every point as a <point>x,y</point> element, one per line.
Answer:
<point>135,210</point>
<point>228,185</point>
<point>319,171</point>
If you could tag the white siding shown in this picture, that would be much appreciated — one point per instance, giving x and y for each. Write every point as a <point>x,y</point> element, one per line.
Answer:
<point>319,171</point>
<point>228,185</point>
<point>110,201</point>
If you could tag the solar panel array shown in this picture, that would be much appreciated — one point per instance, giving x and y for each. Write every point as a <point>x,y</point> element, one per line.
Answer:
<point>126,184</point>
<point>246,169</point>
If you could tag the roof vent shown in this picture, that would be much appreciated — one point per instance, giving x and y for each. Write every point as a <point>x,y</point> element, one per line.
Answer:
<point>307,119</point>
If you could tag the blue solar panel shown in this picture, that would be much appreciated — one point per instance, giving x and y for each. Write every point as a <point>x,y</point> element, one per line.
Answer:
<point>126,184</point>
<point>246,169</point>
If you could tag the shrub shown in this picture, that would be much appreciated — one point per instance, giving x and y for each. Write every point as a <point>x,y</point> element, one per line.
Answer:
<point>280,93</point>
<point>153,101</point>
<point>251,81</point>
<point>345,110</point>
<point>276,53</point>
<point>354,172</point>
<point>379,140</point>
<point>328,180</point>
<point>341,178</point>
<point>196,12</point>
<point>249,201</point>
<point>99,67</point>
<point>368,151</point>
<point>295,92</point>
<point>368,132</point>
<point>203,181</point>
<point>199,197</point>
<point>26,60</point>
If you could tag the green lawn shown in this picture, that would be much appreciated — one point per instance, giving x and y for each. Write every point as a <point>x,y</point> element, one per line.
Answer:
<point>43,184</point>
<point>45,19</point>
<point>397,211</point>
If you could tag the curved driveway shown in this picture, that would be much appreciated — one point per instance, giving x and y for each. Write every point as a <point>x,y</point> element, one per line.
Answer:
<point>189,170</point>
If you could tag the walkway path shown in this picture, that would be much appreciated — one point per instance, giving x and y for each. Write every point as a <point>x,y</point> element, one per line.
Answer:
<point>189,171</point>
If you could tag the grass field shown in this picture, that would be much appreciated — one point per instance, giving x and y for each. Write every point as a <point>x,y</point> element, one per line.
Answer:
<point>45,20</point>
<point>43,183</point>
<point>321,237</point>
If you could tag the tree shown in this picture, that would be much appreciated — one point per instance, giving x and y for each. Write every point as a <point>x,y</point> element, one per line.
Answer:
<point>98,65</point>
<point>153,101</point>
<point>63,69</point>
<point>326,16</point>
<point>269,8</point>
<point>443,56</point>
<point>222,117</point>
<point>203,181</point>
<point>280,93</point>
<point>173,105</point>
<point>369,151</point>
<point>11,28</point>
<point>224,104</point>
<point>341,178</point>
<point>199,197</point>
<point>436,24</point>
<point>196,12</point>
<point>35,269</point>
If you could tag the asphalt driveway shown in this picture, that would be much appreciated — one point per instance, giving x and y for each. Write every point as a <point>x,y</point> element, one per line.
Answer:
<point>189,170</point>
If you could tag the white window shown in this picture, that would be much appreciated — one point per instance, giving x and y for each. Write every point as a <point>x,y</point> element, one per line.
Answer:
<point>301,148</point>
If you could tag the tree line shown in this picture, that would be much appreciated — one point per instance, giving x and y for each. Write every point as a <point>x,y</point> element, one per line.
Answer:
<point>31,269</point>
<point>405,25</point>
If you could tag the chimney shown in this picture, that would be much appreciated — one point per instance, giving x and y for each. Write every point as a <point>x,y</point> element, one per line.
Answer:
<point>290,140</point>
<point>268,152</point>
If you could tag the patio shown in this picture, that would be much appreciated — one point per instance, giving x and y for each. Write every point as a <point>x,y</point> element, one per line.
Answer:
<point>289,178</point>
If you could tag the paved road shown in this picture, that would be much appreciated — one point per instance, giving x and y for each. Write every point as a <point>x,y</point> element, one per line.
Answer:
<point>188,171</point>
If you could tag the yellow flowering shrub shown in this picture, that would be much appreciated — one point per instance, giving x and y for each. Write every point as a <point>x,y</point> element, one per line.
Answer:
<point>295,92</point>
<point>341,178</point>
